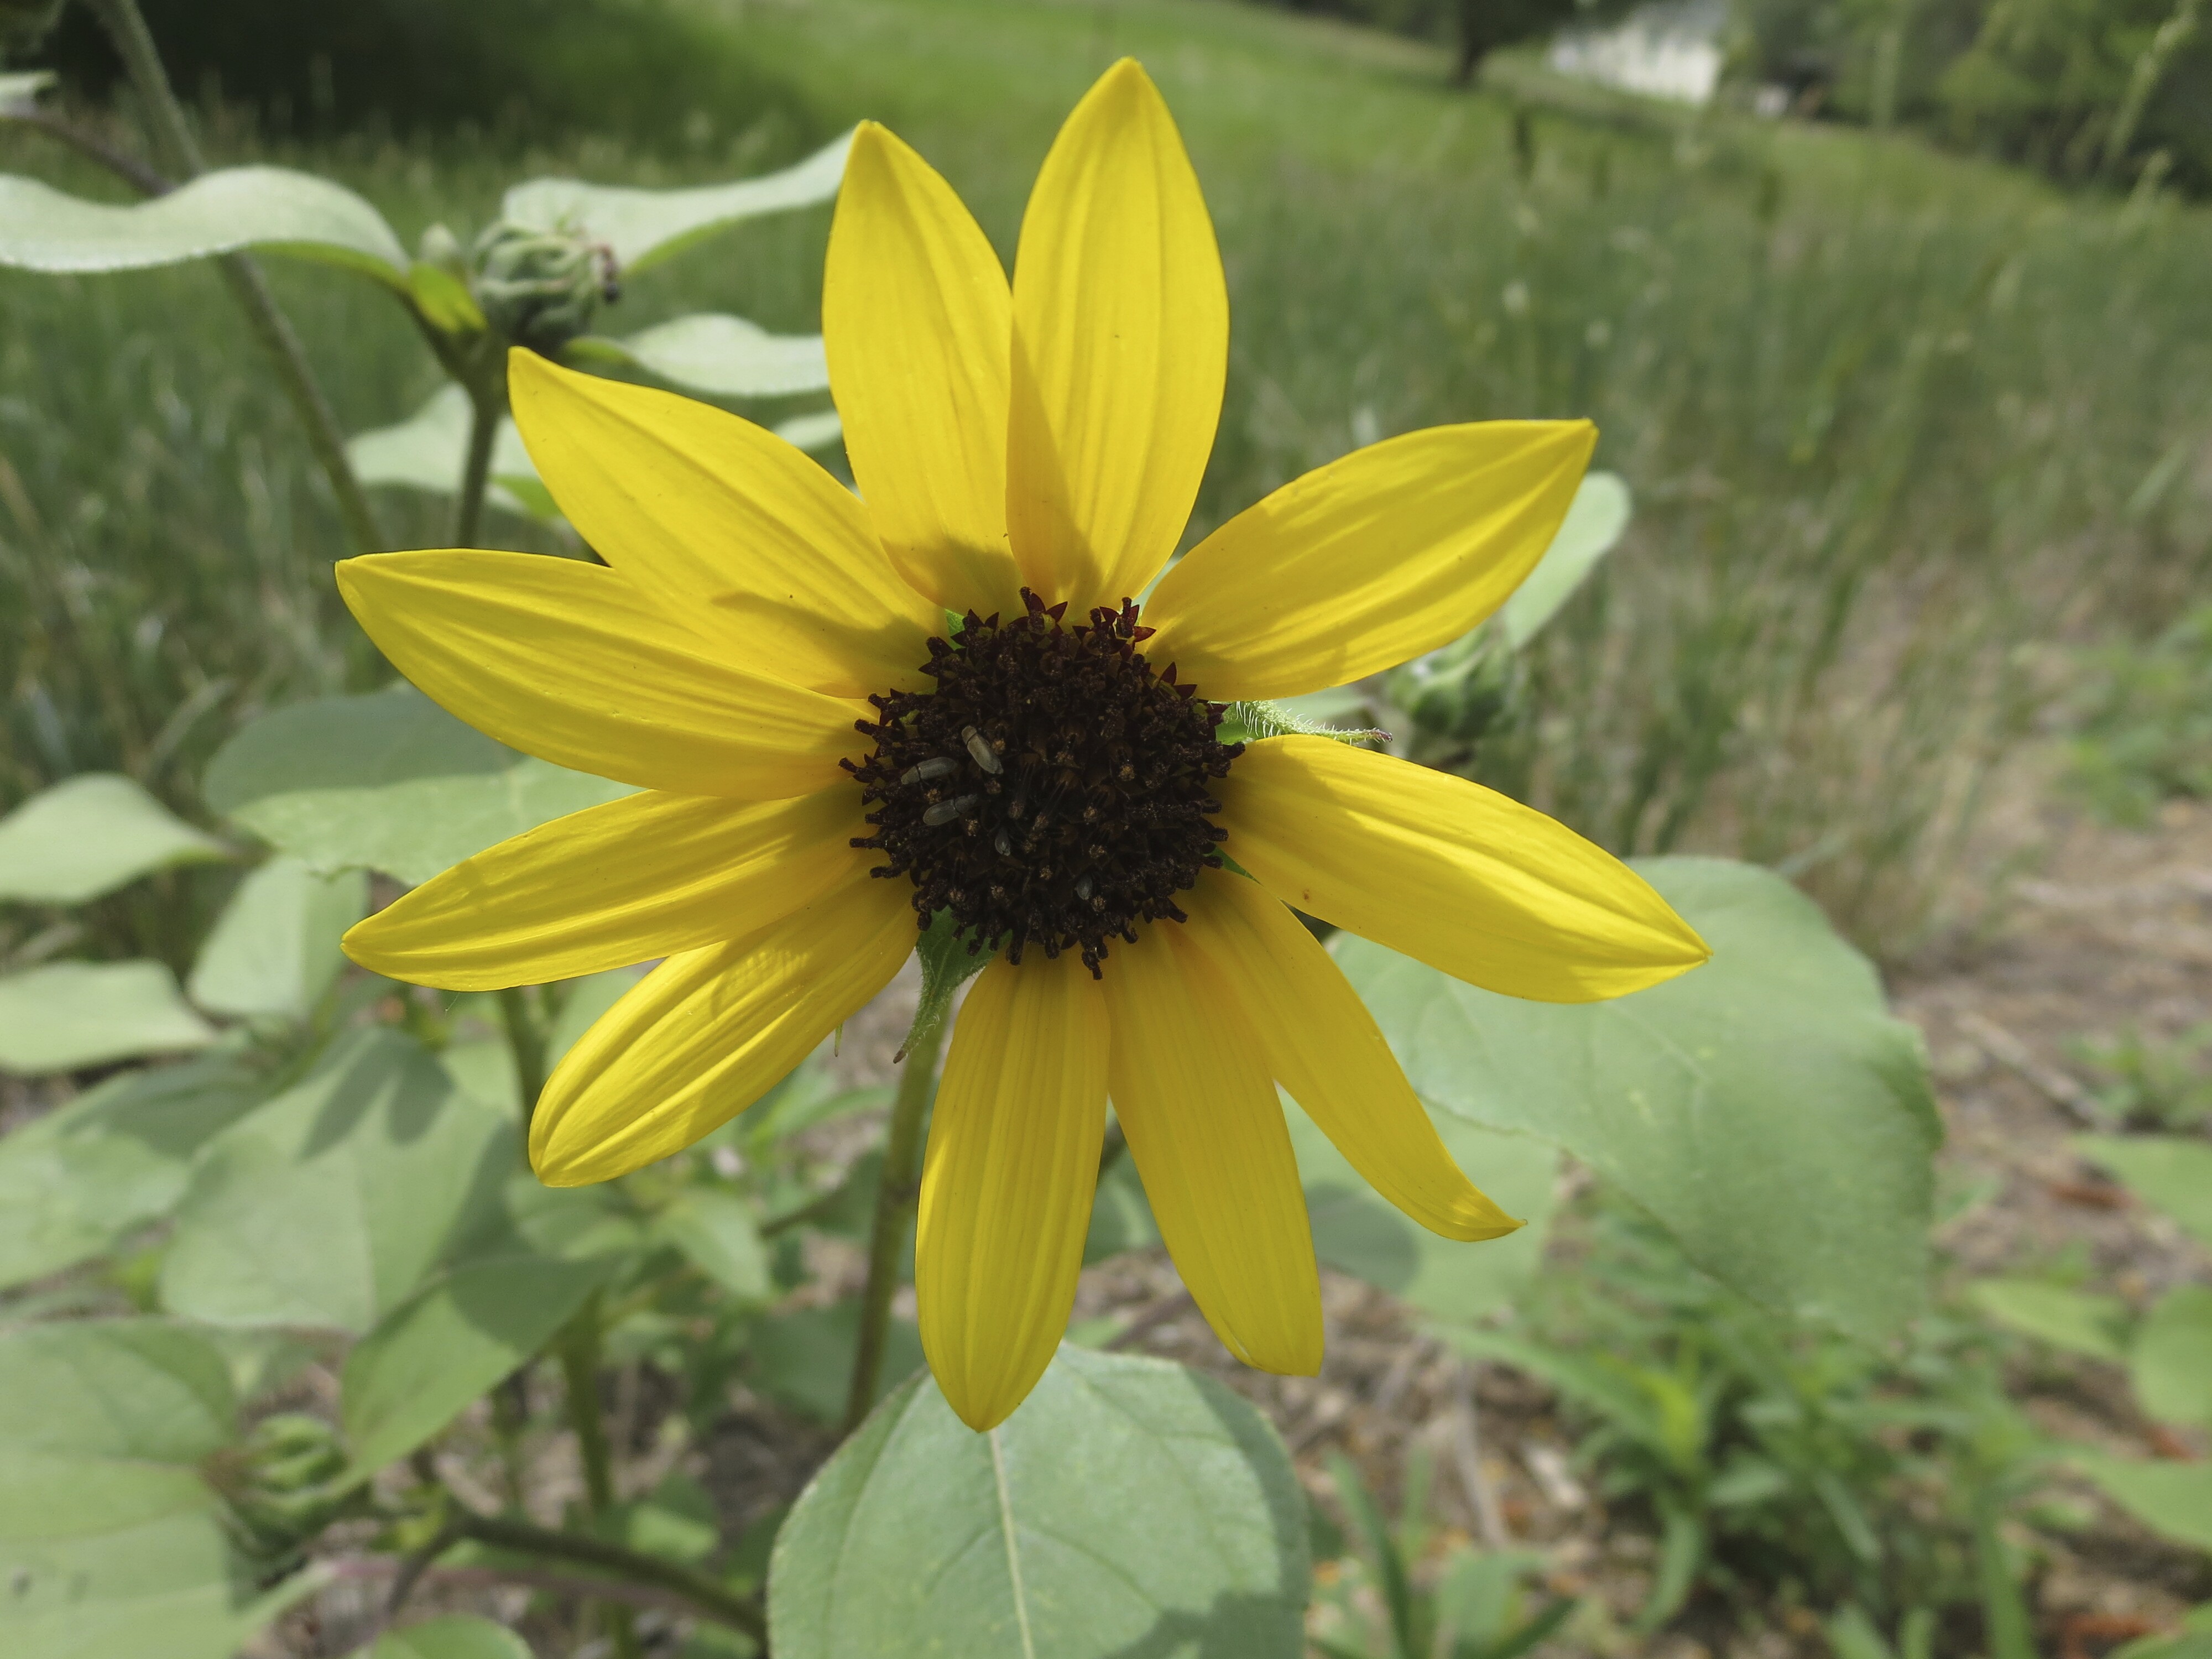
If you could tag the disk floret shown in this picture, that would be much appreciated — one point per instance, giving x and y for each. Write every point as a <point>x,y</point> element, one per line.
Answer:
<point>1052,789</point>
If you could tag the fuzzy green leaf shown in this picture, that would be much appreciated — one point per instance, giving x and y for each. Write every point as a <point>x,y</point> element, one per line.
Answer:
<point>2171,1361</point>
<point>2073,1320</point>
<point>2173,1173</point>
<point>90,834</point>
<point>722,356</point>
<point>1602,509</point>
<point>2172,1500</point>
<point>644,227</point>
<point>274,209</point>
<point>716,1233</point>
<point>1358,1232</point>
<point>377,1158</point>
<point>1765,1107</point>
<point>454,1340</point>
<point>389,781</point>
<point>429,451</point>
<point>274,950</point>
<point>75,1180</point>
<point>1128,1506</point>
<point>112,1546</point>
<point>68,1014</point>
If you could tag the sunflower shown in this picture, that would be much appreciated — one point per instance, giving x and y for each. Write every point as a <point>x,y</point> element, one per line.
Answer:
<point>827,759</point>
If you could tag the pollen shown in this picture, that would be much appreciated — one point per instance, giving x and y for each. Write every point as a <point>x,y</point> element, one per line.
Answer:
<point>1053,790</point>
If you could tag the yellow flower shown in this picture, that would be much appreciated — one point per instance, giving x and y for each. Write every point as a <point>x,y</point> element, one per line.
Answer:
<point>763,654</point>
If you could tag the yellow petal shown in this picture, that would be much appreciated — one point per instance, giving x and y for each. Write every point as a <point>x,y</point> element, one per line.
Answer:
<point>1122,343</point>
<point>639,878</point>
<point>570,662</point>
<point>709,1032</point>
<point>1367,562</point>
<point>1192,1091</point>
<point>1459,876</point>
<point>915,317</point>
<point>1006,1192</point>
<point>725,527</point>
<point>1324,1047</point>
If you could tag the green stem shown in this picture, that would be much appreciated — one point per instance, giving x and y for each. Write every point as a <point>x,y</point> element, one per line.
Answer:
<point>709,1597</point>
<point>483,426</point>
<point>525,1037</point>
<point>896,1192</point>
<point>174,142</point>
<point>580,1367</point>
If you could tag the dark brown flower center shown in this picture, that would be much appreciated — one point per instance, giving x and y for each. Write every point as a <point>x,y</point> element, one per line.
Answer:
<point>1052,789</point>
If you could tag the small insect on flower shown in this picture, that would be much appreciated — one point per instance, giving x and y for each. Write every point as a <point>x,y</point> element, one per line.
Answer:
<point>825,766</point>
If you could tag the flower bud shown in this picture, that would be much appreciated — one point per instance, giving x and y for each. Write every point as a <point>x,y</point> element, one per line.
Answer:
<point>540,288</point>
<point>1459,690</point>
<point>286,1483</point>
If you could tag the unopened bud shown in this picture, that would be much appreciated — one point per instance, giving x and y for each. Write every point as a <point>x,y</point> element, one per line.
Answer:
<point>540,288</point>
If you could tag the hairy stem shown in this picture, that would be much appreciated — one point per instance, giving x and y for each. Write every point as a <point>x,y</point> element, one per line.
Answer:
<point>703,1592</point>
<point>580,1366</point>
<point>483,426</point>
<point>181,153</point>
<point>896,1192</point>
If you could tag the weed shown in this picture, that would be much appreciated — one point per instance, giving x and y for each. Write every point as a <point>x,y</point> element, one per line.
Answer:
<point>1772,1461</point>
<point>2150,1082</point>
<point>2143,722</point>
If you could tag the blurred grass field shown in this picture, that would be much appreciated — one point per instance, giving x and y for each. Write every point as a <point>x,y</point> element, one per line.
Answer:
<point>1901,427</point>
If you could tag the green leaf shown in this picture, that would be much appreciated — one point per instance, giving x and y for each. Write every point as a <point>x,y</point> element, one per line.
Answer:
<point>1129,1506</point>
<point>75,1180</point>
<point>63,1015</point>
<point>721,355</point>
<point>2171,1172</point>
<point>444,300</point>
<point>716,1233</point>
<point>455,1339</point>
<point>811,432</point>
<point>273,950</point>
<point>453,1635</point>
<point>328,1207</point>
<point>1602,507</point>
<point>644,227</point>
<point>429,451</point>
<point>1765,1107</point>
<point>389,781</point>
<point>271,209</point>
<point>2174,1499</point>
<point>111,1547</point>
<point>173,1585</point>
<point>89,835</point>
<point>2073,1320</point>
<point>2171,1362</point>
<point>1359,1232</point>
<point>803,1360</point>
<point>141,1395</point>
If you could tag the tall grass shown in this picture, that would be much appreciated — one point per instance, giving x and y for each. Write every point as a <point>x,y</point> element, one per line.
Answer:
<point>1893,420</point>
